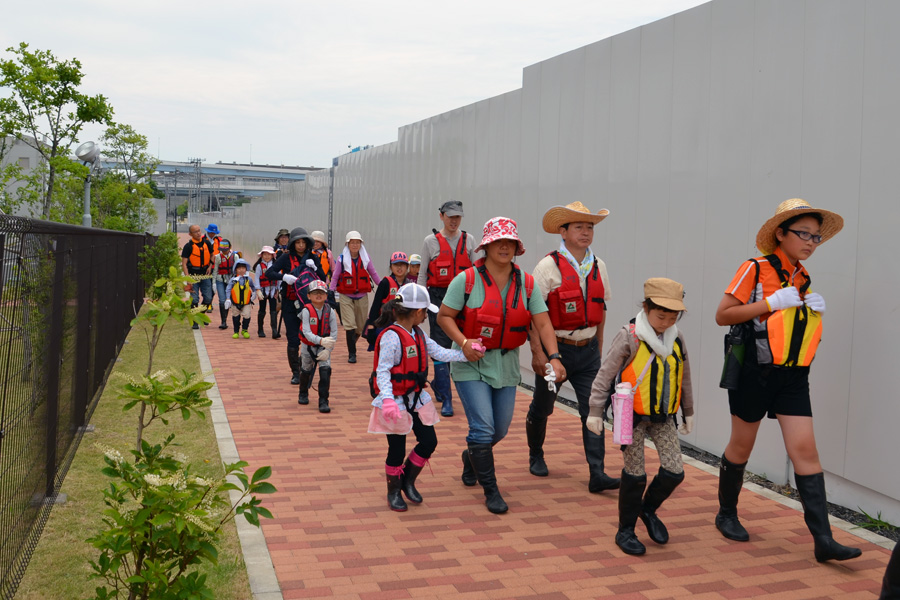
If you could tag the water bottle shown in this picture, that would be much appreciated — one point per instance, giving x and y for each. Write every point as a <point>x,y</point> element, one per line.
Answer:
<point>623,413</point>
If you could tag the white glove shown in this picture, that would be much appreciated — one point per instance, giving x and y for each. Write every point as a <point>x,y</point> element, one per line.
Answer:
<point>310,263</point>
<point>595,425</point>
<point>323,355</point>
<point>327,343</point>
<point>227,304</point>
<point>289,279</point>
<point>788,297</point>
<point>550,377</point>
<point>687,426</point>
<point>260,295</point>
<point>816,302</point>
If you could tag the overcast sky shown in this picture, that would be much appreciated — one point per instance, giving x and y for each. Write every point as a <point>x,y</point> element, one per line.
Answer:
<point>295,83</point>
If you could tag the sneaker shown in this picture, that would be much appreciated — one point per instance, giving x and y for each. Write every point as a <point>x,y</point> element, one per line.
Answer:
<point>235,336</point>
<point>246,334</point>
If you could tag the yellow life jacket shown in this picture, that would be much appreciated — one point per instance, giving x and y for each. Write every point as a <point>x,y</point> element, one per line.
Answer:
<point>659,393</point>
<point>240,294</point>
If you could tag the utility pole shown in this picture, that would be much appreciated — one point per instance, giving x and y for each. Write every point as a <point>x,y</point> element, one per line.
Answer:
<point>197,162</point>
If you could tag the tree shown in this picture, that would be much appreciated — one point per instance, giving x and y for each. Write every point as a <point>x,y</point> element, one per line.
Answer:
<point>128,149</point>
<point>45,109</point>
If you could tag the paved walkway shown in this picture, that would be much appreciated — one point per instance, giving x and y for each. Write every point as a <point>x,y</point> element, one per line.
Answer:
<point>333,535</point>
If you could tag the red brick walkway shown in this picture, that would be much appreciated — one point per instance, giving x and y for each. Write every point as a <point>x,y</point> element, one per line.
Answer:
<point>333,535</point>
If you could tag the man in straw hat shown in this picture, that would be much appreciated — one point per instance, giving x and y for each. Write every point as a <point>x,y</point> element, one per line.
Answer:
<point>576,287</point>
<point>445,254</point>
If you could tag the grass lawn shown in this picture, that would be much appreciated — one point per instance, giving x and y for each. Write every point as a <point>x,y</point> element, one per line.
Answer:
<point>59,567</point>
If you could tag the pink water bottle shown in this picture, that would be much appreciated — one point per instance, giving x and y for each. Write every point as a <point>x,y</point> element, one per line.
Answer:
<point>623,414</point>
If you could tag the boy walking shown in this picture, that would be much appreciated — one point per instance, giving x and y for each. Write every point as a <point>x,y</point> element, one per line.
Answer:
<point>239,298</point>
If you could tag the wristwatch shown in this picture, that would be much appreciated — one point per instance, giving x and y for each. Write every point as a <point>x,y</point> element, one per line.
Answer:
<point>554,355</point>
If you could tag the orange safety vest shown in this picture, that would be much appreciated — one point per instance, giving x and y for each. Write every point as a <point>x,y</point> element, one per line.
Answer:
<point>659,393</point>
<point>447,264</point>
<point>214,243</point>
<point>200,254</point>
<point>323,260</point>
<point>241,294</point>
<point>356,281</point>
<point>498,325</point>
<point>569,307</point>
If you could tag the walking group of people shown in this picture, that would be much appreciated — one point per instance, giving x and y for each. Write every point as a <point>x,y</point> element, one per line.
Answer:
<point>482,310</point>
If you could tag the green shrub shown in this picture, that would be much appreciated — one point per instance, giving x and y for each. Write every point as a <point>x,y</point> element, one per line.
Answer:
<point>155,261</point>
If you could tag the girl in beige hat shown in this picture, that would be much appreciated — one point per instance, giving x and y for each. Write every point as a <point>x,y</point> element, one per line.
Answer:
<point>771,295</point>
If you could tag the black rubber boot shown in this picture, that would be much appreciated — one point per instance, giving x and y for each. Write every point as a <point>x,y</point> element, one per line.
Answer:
<point>410,473</point>
<point>324,388</point>
<point>630,494</point>
<point>815,513</point>
<point>303,392</point>
<point>351,346</point>
<point>293,355</point>
<point>236,321</point>
<point>260,321</point>
<point>482,458</point>
<point>659,489</point>
<point>223,312</point>
<point>890,585</point>
<point>273,323</point>
<point>595,454</point>
<point>535,433</point>
<point>245,326</point>
<point>731,480</point>
<point>468,473</point>
<point>395,500</point>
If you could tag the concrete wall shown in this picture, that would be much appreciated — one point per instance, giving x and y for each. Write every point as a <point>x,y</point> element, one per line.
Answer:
<point>690,130</point>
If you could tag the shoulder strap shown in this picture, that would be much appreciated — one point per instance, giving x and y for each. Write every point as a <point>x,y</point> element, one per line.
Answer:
<point>650,360</point>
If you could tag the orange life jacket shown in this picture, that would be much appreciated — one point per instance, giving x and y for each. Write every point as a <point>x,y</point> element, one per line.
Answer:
<point>498,325</point>
<point>571,308</point>
<point>241,294</point>
<point>356,281</point>
<point>323,260</point>
<point>200,254</point>
<point>410,375</point>
<point>447,264</point>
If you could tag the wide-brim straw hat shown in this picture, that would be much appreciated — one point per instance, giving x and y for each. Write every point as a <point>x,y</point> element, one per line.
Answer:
<point>501,228</point>
<point>576,212</point>
<point>765,238</point>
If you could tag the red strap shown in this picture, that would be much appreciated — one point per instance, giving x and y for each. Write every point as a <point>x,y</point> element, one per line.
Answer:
<point>470,280</point>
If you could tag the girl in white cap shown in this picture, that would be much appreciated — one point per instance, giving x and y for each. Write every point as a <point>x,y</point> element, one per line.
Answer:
<point>353,279</point>
<point>402,404</point>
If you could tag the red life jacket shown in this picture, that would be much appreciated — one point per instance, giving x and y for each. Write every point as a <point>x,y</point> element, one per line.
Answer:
<point>226,264</point>
<point>264,281</point>
<point>447,264</point>
<point>356,281</point>
<point>410,375</point>
<point>320,327</point>
<point>497,325</point>
<point>393,286</point>
<point>569,307</point>
<point>291,290</point>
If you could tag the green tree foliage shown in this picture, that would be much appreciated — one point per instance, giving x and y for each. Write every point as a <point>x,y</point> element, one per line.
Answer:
<point>44,107</point>
<point>128,150</point>
<point>156,260</point>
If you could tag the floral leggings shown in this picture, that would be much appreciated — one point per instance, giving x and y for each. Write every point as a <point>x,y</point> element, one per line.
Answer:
<point>664,437</point>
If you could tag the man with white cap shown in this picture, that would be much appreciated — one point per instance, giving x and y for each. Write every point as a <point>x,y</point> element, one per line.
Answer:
<point>575,286</point>
<point>445,254</point>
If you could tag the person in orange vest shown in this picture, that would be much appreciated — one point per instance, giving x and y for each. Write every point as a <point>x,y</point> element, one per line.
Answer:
<point>648,353</point>
<point>401,403</point>
<point>223,267</point>
<point>240,293</point>
<point>196,260</point>
<point>321,250</point>
<point>771,295</point>
<point>445,254</point>
<point>493,303</point>
<point>575,286</point>
<point>387,289</point>
<point>353,276</point>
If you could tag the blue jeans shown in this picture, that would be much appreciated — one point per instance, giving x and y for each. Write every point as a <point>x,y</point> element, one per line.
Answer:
<point>204,287</point>
<point>488,410</point>
<point>220,290</point>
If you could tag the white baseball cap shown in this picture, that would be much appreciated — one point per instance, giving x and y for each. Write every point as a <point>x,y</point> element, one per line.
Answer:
<point>413,295</point>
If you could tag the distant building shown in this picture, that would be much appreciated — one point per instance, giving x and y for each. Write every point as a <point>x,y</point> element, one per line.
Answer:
<point>18,152</point>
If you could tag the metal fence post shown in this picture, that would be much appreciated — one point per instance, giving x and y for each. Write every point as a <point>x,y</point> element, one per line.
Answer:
<point>53,359</point>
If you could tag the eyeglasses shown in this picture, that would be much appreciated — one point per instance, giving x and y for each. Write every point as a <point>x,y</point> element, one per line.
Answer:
<point>807,236</point>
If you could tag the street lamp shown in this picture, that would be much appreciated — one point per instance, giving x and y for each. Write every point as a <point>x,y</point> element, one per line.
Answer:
<point>88,153</point>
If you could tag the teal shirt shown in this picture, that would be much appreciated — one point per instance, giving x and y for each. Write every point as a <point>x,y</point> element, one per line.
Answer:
<point>495,369</point>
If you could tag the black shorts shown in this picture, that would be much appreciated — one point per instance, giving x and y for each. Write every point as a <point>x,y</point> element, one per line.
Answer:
<point>769,390</point>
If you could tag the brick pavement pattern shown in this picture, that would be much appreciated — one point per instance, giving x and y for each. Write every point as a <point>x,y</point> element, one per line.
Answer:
<point>334,536</point>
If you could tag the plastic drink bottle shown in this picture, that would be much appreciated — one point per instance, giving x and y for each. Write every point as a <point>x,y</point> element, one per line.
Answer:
<point>623,413</point>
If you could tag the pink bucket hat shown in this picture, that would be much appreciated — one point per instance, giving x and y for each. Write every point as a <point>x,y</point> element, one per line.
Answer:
<point>268,249</point>
<point>501,228</point>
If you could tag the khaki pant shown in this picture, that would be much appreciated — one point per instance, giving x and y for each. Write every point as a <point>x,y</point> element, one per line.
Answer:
<point>245,312</point>
<point>354,313</point>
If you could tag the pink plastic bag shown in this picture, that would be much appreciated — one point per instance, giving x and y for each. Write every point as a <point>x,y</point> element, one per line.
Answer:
<point>378,424</point>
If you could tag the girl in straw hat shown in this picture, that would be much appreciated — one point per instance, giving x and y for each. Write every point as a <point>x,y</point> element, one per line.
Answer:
<point>493,303</point>
<point>771,294</point>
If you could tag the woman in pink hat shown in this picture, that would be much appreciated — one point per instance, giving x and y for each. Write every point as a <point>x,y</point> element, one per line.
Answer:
<point>493,304</point>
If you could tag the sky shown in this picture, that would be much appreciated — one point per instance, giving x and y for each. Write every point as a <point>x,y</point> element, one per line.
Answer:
<point>296,83</point>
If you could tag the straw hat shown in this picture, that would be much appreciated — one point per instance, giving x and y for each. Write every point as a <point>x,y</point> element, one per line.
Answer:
<point>575,212</point>
<point>765,239</point>
<point>501,228</point>
<point>665,292</point>
<point>319,236</point>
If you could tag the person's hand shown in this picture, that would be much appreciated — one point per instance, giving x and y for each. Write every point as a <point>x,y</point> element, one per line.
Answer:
<point>595,425</point>
<point>559,369</point>
<point>538,360</point>
<point>323,355</point>
<point>227,304</point>
<point>328,343</point>
<point>310,263</point>
<point>390,410</point>
<point>260,295</point>
<point>816,302</point>
<point>472,355</point>
<point>687,427</point>
<point>289,279</point>
<point>788,297</point>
